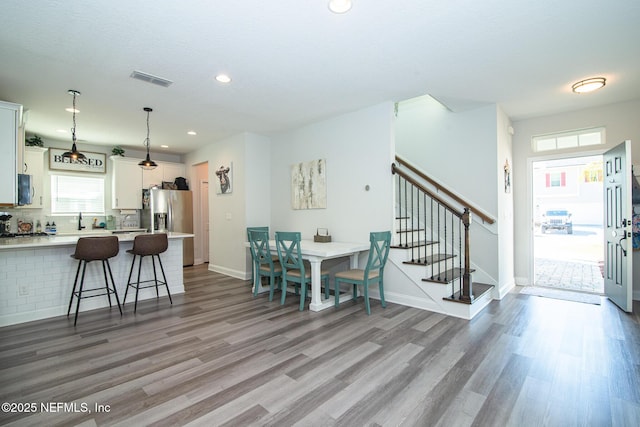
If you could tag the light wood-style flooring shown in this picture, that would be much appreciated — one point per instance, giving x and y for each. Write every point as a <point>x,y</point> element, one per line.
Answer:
<point>218,356</point>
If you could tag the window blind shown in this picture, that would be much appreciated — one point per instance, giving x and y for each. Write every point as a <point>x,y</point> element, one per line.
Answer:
<point>73,194</point>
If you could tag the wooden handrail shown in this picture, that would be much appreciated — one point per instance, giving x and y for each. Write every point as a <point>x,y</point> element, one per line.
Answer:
<point>454,211</point>
<point>439,187</point>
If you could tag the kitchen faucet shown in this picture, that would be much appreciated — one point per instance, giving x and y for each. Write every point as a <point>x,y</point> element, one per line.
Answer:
<point>80,226</point>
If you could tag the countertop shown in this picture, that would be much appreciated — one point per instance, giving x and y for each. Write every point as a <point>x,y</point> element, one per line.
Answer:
<point>67,240</point>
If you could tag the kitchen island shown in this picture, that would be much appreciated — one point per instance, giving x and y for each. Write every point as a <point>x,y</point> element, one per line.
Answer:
<point>37,273</point>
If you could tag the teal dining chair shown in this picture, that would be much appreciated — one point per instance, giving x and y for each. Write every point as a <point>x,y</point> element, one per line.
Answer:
<point>264,265</point>
<point>251,251</point>
<point>372,273</point>
<point>294,269</point>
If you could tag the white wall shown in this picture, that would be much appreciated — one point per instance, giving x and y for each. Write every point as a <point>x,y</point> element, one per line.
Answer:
<point>506,255</point>
<point>227,224</point>
<point>456,149</point>
<point>358,148</point>
<point>258,184</point>
<point>621,123</point>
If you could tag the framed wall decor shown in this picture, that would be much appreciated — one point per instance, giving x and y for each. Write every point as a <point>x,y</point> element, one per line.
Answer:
<point>93,163</point>
<point>309,185</point>
<point>225,176</point>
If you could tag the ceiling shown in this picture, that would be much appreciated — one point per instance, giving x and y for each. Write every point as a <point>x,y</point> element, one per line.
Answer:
<point>293,62</point>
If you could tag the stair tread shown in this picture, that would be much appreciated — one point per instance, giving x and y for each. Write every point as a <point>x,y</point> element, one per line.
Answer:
<point>447,276</point>
<point>479,289</point>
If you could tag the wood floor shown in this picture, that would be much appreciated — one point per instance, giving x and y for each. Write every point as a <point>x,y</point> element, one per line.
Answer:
<point>218,356</point>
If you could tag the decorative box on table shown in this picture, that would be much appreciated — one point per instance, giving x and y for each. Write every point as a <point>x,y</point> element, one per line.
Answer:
<point>322,236</point>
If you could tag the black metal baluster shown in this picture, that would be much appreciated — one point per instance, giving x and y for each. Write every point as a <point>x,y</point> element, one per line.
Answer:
<point>413,249</point>
<point>406,223</point>
<point>418,222</point>
<point>438,240</point>
<point>431,240</point>
<point>460,259</point>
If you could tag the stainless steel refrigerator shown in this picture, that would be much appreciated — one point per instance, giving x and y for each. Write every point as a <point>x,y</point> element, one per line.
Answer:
<point>169,210</point>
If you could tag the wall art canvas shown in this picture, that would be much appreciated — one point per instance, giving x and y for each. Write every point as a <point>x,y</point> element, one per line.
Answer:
<point>309,185</point>
<point>225,176</point>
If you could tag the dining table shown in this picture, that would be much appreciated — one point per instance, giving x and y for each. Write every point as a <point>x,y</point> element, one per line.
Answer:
<point>316,253</point>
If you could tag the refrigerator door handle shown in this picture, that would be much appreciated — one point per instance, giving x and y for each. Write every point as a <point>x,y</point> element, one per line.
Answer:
<point>169,224</point>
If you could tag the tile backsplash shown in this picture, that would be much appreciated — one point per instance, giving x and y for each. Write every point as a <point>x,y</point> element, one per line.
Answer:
<point>68,223</point>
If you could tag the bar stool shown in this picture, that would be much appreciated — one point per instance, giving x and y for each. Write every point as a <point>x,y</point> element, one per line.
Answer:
<point>94,249</point>
<point>148,245</point>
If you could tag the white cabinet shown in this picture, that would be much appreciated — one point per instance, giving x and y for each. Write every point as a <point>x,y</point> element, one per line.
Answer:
<point>126,183</point>
<point>165,171</point>
<point>152,177</point>
<point>34,166</point>
<point>10,117</point>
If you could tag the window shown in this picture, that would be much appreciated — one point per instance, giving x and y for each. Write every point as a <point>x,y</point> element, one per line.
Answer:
<point>556,179</point>
<point>73,194</point>
<point>564,140</point>
<point>593,172</point>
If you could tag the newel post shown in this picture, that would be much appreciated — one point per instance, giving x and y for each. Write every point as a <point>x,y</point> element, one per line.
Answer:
<point>466,293</point>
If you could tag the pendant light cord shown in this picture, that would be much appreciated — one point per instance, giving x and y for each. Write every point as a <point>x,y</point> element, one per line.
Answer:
<point>73,129</point>
<point>147,141</point>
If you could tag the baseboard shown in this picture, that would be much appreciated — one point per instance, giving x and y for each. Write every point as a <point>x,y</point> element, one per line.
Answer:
<point>504,290</point>
<point>242,275</point>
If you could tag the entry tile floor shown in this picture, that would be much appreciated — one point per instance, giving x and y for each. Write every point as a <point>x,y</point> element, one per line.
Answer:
<point>569,275</point>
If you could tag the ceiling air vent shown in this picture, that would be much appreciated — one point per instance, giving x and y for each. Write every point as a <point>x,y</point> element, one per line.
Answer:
<point>150,78</point>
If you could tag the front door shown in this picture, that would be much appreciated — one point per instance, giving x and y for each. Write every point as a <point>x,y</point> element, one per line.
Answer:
<point>618,264</point>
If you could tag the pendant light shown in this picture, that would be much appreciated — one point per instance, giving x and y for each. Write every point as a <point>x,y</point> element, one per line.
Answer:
<point>147,164</point>
<point>74,154</point>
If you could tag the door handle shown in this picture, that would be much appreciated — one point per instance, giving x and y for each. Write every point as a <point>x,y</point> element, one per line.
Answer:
<point>624,250</point>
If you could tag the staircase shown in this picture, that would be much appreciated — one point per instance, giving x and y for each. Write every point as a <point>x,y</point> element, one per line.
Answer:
<point>430,261</point>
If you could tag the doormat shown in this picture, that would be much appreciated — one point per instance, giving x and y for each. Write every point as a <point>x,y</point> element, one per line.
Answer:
<point>561,294</point>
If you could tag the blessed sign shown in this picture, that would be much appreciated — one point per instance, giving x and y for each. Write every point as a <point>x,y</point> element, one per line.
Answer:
<point>94,162</point>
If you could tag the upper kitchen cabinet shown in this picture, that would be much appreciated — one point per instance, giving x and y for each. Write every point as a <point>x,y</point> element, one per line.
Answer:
<point>165,172</point>
<point>10,144</point>
<point>34,166</point>
<point>126,183</point>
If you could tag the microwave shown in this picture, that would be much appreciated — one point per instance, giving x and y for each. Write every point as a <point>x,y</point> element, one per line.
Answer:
<point>24,189</point>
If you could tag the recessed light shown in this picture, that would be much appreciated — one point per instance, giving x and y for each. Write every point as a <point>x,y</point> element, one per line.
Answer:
<point>589,85</point>
<point>72,110</point>
<point>61,130</point>
<point>191,132</point>
<point>340,6</point>
<point>223,78</point>
<point>164,146</point>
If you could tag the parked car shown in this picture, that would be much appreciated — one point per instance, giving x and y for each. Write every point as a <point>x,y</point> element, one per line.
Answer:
<point>557,219</point>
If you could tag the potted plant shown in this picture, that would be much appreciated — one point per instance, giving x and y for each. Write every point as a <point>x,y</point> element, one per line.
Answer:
<point>34,141</point>
<point>117,151</point>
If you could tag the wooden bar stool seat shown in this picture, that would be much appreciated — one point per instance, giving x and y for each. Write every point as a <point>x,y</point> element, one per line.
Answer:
<point>94,249</point>
<point>148,245</point>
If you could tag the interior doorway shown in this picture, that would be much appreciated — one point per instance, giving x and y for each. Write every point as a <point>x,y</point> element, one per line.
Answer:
<point>568,246</point>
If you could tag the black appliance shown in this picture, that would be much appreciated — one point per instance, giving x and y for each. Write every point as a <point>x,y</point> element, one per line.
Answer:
<point>25,189</point>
